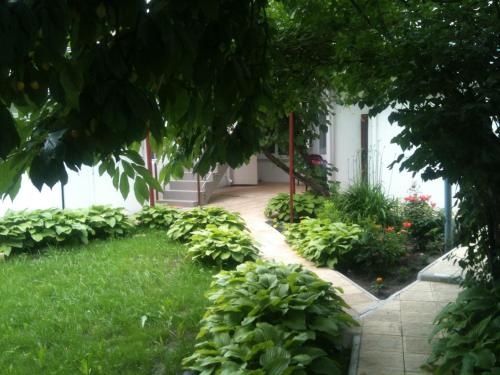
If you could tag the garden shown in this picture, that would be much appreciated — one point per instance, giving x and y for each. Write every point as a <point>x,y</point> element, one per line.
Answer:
<point>378,241</point>
<point>96,291</point>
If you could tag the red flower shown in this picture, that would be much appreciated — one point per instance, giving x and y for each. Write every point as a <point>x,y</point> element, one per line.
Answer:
<point>389,229</point>
<point>407,224</point>
<point>425,198</point>
<point>410,198</point>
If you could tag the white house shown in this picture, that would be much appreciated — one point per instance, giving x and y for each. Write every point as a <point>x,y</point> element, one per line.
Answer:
<point>341,146</point>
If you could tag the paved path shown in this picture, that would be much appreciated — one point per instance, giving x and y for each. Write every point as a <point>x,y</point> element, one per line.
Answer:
<point>249,202</point>
<point>394,332</point>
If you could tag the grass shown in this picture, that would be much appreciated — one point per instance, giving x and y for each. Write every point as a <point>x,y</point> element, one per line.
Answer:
<point>123,306</point>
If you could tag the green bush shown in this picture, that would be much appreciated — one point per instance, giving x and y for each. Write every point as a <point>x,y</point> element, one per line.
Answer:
<point>468,334</point>
<point>330,211</point>
<point>267,318</point>
<point>222,246</point>
<point>322,241</point>
<point>106,221</point>
<point>305,205</point>
<point>363,201</point>
<point>196,219</point>
<point>28,230</point>
<point>427,224</point>
<point>158,216</point>
<point>378,249</point>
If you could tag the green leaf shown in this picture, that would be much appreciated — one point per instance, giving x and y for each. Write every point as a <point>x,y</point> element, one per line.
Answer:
<point>71,81</point>
<point>141,190</point>
<point>10,138</point>
<point>124,185</point>
<point>275,360</point>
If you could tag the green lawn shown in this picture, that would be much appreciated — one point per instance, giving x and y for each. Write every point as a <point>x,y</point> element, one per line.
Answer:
<point>124,306</point>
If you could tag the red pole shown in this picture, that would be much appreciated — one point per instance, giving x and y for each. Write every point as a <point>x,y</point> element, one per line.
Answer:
<point>291,152</point>
<point>150,169</point>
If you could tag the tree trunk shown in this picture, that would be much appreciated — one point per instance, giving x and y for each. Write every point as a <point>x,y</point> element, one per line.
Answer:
<point>314,185</point>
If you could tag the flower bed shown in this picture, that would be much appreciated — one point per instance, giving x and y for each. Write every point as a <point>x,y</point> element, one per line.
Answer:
<point>370,237</point>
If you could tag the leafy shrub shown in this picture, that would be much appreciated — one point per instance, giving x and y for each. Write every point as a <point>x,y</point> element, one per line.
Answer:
<point>330,211</point>
<point>158,216</point>
<point>106,221</point>
<point>305,205</point>
<point>427,224</point>
<point>29,230</point>
<point>267,318</point>
<point>196,219</point>
<point>223,246</point>
<point>322,241</point>
<point>378,249</point>
<point>363,201</point>
<point>471,334</point>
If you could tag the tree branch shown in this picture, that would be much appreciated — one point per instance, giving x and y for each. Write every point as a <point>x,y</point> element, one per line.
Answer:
<point>318,188</point>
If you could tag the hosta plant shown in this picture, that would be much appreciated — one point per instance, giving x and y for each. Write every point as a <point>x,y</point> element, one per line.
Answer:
<point>27,230</point>
<point>304,205</point>
<point>322,241</point>
<point>106,221</point>
<point>468,334</point>
<point>222,246</point>
<point>159,216</point>
<point>267,318</point>
<point>190,221</point>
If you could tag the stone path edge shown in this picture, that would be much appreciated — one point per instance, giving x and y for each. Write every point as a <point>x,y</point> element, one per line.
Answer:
<point>377,300</point>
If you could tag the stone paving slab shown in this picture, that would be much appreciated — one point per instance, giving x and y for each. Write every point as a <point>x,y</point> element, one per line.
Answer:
<point>399,329</point>
<point>445,269</point>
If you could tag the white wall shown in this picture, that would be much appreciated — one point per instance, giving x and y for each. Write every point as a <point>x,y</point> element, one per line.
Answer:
<point>382,153</point>
<point>83,189</point>
<point>346,144</point>
<point>268,172</point>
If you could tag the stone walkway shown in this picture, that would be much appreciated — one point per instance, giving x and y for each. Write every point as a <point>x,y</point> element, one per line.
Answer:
<point>249,202</point>
<point>394,333</point>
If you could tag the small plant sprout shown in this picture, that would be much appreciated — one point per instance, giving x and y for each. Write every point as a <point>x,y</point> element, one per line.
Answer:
<point>378,285</point>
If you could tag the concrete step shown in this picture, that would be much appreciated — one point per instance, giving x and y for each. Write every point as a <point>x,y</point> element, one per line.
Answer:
<point>445,269</point>
<point>178,202</point>
<point>183,185</point>
<point>190,195</point>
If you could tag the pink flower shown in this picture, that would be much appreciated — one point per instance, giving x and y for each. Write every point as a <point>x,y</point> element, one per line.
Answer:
<point>389,229</point>
<point>407,224</point>
<point>410,198</point>
<point>425,198</point>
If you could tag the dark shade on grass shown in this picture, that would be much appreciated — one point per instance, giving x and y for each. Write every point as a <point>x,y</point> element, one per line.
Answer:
<point>125,306</point>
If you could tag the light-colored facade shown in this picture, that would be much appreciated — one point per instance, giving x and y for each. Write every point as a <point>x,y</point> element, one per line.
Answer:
<point>340,146</point>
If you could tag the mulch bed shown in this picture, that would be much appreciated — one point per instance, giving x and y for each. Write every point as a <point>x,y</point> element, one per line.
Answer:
<point>394,279</point>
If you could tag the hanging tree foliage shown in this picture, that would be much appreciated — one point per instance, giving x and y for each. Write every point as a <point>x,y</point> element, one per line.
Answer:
<point>437,64</point>
<point>84,81</point>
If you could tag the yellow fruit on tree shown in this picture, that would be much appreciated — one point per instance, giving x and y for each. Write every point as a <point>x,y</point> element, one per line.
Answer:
<point>20,86</point>
<point>35,85</point>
